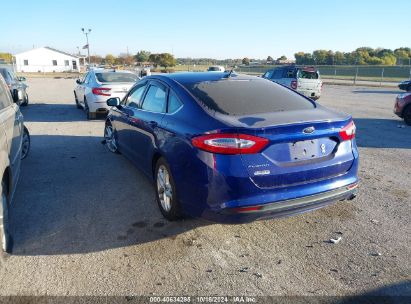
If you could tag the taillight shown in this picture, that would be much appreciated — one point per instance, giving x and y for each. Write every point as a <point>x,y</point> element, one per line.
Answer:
<point>230,143</point>
<point>348,132</point>
<point>294,84</point>
<point>101,91</point>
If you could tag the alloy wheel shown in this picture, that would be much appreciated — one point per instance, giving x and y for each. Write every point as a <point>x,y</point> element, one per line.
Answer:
<point>165,190</point>
<point>110,138</point>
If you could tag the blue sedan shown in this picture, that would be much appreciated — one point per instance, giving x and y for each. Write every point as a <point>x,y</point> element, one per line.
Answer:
<point>233,148</point>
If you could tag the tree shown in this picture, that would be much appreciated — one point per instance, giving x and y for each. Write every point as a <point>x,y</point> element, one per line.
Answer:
<point>283,57</point>
<point>110,59</point>
<point>270,59</point>
<point>246,61</point>
<point>7,57</point>
<point>96,59</point>
<point>164,59</point>
<point>126,59</point>
<point>142,56</point>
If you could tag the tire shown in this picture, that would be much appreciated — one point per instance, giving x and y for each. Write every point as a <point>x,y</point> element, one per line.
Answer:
<point>407,115</point>
<point>166,192</point>
<point>110,138</point>
<point>89,114</point>
<point>77,103</point>
<point>5,236</point>
<point>25,146</point>
<point>25,101</point>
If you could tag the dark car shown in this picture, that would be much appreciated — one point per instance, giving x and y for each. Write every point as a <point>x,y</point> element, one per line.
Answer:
<point>16,85</point>
<point>402,107</point>
<point>405,85</point>
<point>233,148</point>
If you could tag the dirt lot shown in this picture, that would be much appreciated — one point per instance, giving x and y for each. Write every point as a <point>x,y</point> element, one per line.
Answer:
<point>86,223</point>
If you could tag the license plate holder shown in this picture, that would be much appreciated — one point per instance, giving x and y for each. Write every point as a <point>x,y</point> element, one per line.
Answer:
<point>303,150</point>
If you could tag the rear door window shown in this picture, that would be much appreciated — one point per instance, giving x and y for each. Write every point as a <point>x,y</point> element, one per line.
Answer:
<point>173,103</point>
<point>289,73</point>
<point>277,74</point>
<point>155,99</point>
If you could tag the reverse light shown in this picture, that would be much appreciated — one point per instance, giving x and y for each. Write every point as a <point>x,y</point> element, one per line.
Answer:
<point>348,132</point>
<point>229,143</point>
<point>101,91</point>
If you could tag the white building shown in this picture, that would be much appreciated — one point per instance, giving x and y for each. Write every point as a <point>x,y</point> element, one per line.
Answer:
<point>47,59</point>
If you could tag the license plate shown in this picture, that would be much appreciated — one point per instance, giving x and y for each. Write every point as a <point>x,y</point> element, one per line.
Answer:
<point>303,150</point>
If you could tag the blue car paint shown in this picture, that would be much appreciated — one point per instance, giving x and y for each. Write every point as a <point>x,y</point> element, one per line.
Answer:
<point>210,184</point>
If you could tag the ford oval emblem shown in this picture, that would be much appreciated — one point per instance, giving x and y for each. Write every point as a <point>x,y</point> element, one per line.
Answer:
<point>309,130</point>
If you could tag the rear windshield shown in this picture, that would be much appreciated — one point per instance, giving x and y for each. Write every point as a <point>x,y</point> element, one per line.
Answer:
<point>213,69</point>
<point>116,77</point>
<point>247,97</point>
<point>308,74</point>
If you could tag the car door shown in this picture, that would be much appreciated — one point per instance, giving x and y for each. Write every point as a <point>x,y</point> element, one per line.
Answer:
<point>12,123</point>
<point>146,123</point>
<point>121,118</point>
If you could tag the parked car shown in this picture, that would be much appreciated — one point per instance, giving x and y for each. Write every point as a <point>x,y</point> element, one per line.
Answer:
<point>233,148</point>
<point>16,85</point>
<point>405,85</point>
<point>216,68</point>
<point>402,107</point>
<point>305,80</point>
<point>11,142</point>
<point>98,85</point>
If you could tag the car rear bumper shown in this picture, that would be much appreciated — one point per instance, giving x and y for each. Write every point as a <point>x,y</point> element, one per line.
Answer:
<point>282,208</point>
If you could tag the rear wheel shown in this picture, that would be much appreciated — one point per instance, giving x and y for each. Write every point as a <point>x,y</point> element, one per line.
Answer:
<point>25,100</point>
<point>5,236</point>
<point>407,115</point>
<point>25,146</point>
<point>76,99</point>
<point>166,193</point>
<point>89,114</point>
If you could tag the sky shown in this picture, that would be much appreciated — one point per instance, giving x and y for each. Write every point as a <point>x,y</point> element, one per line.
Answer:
<point>204,28</point>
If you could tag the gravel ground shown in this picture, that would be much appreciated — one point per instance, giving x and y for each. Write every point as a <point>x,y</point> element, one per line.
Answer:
<point>86,222</point>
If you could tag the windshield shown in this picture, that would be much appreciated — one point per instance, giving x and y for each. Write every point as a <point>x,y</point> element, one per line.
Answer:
<point>246,97</point>
<point>116,77</point>
<point>213,69</point>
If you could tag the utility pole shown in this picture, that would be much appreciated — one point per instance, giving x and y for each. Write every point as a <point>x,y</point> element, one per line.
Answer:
<point>88,46</point>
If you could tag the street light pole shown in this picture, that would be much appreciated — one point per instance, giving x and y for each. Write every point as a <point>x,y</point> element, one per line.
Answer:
<point>88,46</point>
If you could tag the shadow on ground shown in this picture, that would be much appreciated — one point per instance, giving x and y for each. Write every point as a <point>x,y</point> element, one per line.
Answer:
<point>76,197</point>
<point>377,92</point>
<point>382,133</point>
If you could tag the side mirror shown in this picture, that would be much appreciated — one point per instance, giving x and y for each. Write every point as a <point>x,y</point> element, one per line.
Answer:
<point>21,78</point>
<point>78,81</point>
<point>113,102</point>
<point>17,96</point>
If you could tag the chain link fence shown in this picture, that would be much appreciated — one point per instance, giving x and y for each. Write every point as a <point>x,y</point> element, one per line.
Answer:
<point>351,73</point>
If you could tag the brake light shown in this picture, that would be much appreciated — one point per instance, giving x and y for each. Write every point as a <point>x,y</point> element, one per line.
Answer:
<point>294,84</point>
<point>348,132</point>
<point>229,143</point>
<point>101,91</point>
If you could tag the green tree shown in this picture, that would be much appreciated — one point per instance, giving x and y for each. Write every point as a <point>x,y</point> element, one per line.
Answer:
<point>270,59</point>
<point>110,59</point>
<point>7,57</point>
<point>142,56</point>
<point>246,61</point>
<point>283,57</point>
<point>167,60</point>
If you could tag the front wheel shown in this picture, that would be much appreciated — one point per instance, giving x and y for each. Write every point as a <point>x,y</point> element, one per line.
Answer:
<point>110,138</point>
<point>166,192</point>
<point>89,114</point>
<point>407,115</point>
<point>5,236</point>
<point>25,146</point>
<point>25,100</point>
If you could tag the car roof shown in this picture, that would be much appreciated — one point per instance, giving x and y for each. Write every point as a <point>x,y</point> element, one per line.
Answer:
<point>110,71</point>
<point>194,77</point>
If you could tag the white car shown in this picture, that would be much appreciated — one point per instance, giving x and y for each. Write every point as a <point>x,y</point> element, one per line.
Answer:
<point>216,68</point>
<point>98,85</point>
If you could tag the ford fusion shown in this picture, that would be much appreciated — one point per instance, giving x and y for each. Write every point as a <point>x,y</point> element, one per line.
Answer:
<point>233,148</point>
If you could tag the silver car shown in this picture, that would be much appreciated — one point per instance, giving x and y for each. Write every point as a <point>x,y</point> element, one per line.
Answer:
<point>11,146</point>
<point>98,85</point>
<point>304,80</point>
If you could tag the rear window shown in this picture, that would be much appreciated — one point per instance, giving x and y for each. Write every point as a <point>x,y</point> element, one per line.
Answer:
<point>213,69</point>
<point>247,97</point>
<point>116,77</point>
<point>308,74</point>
